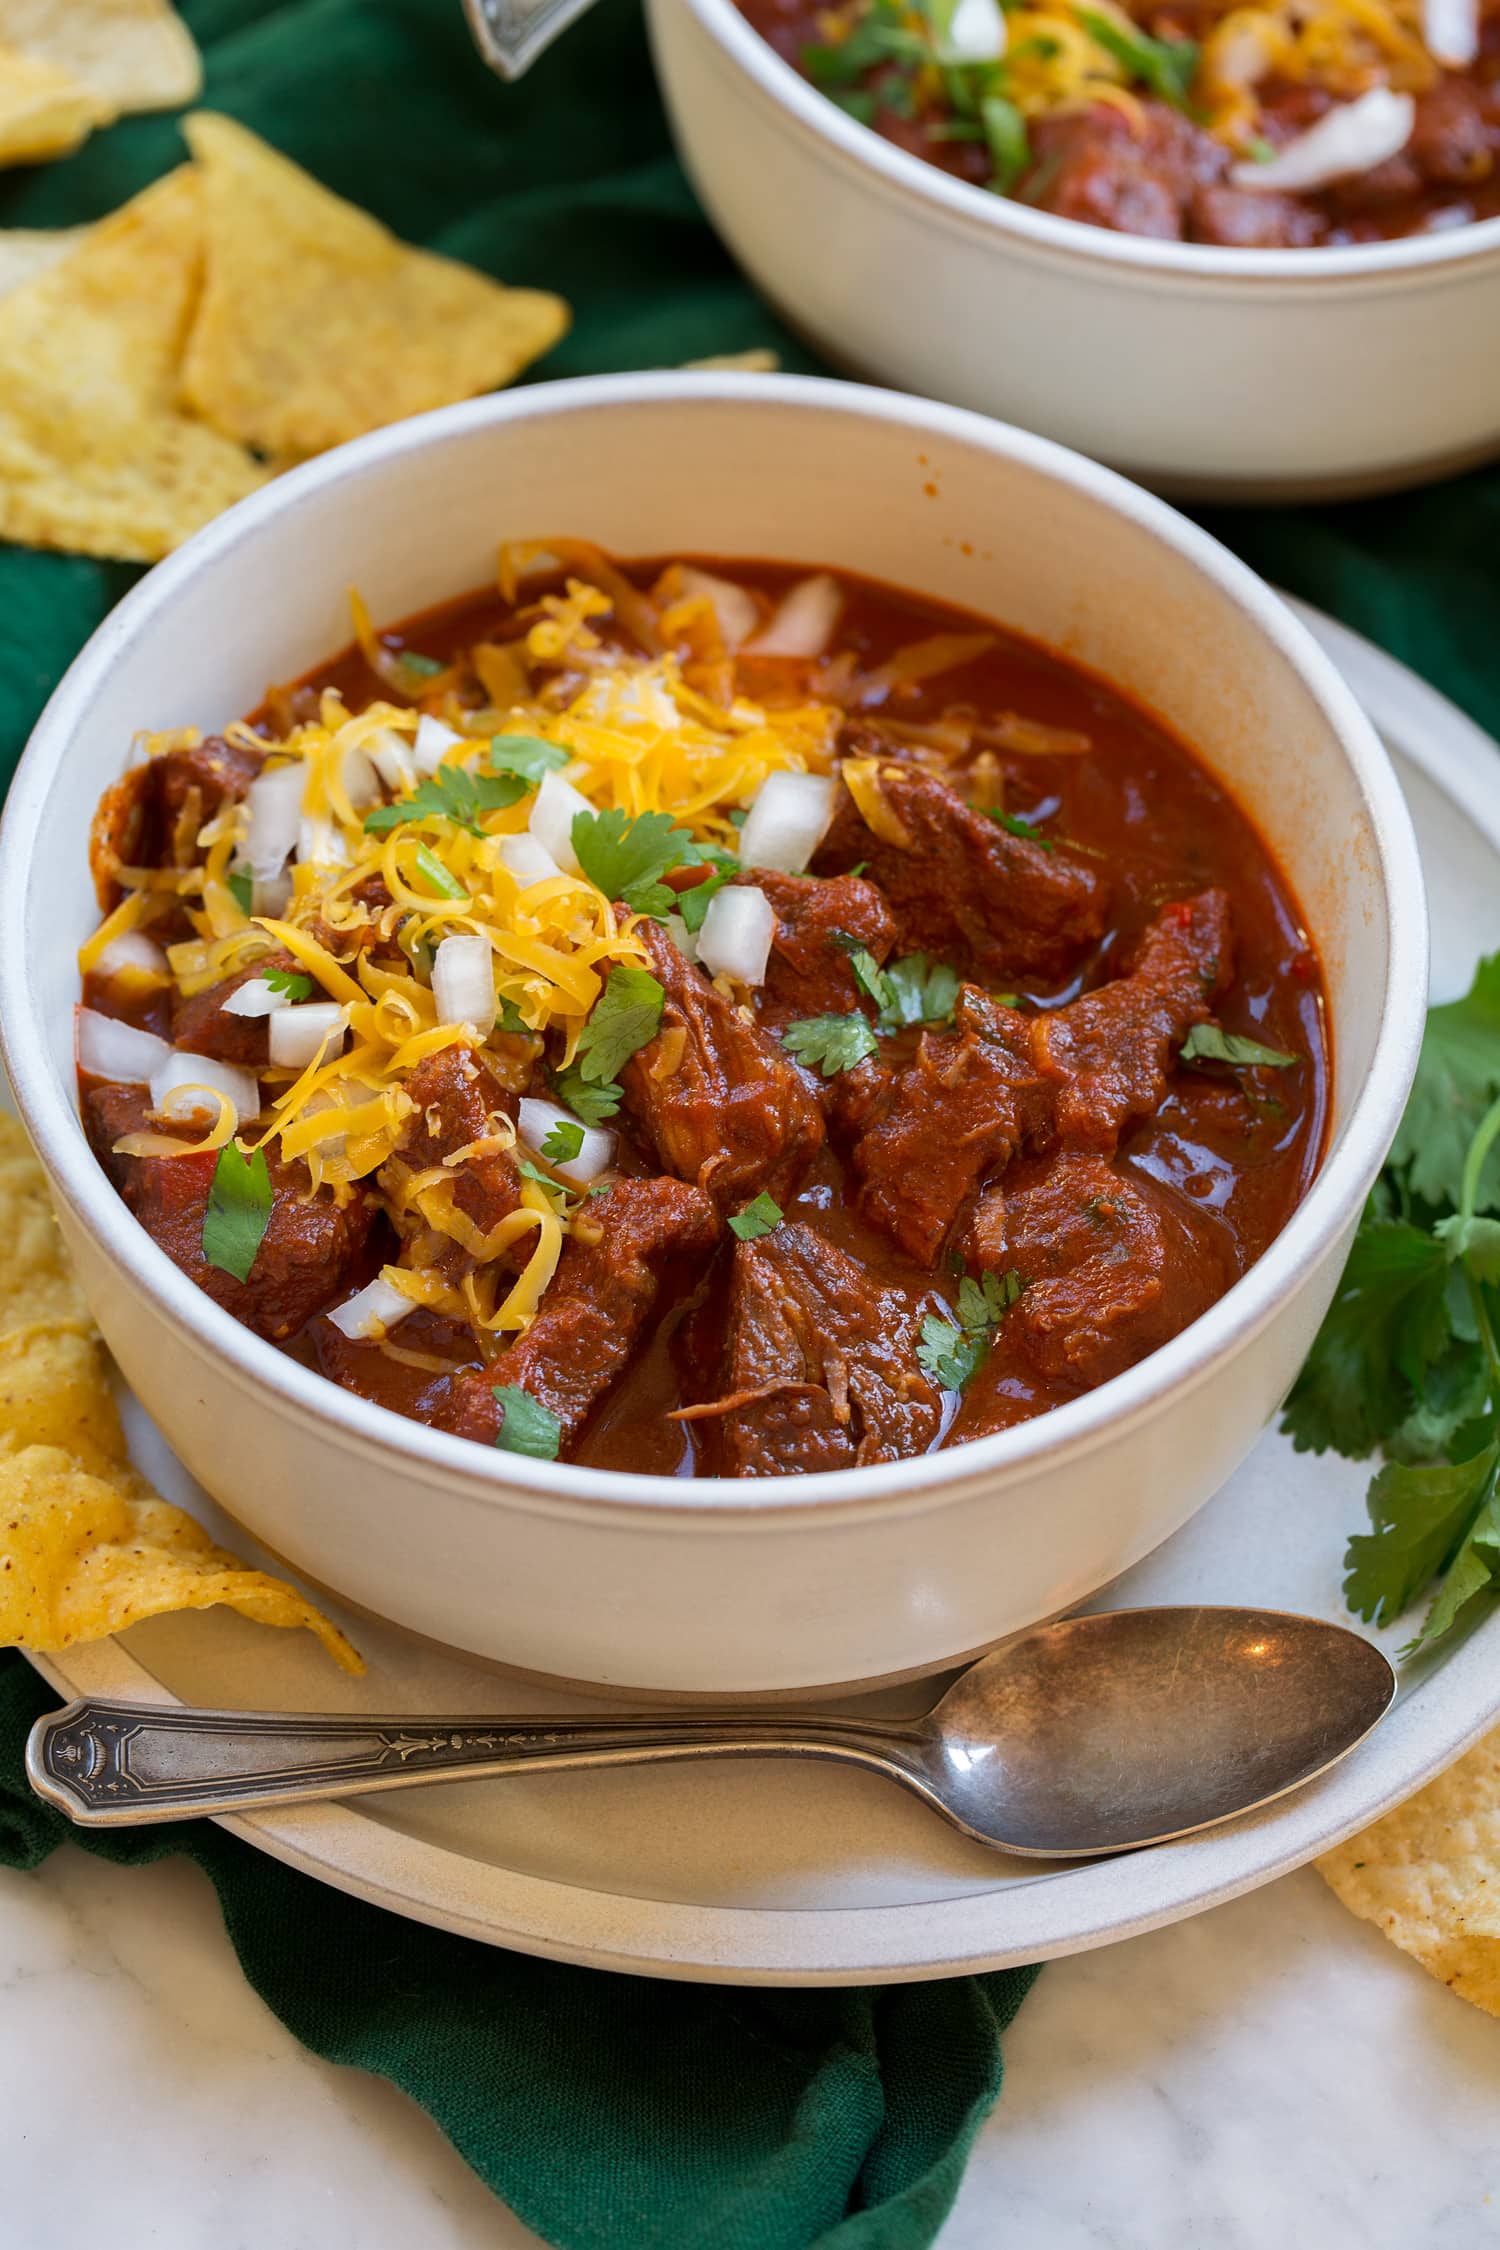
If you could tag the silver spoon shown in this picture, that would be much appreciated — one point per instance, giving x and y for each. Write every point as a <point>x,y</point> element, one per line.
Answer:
<point>1096,1734</point>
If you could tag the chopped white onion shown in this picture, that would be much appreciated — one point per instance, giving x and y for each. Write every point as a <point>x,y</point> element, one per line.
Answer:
<point>1355,137</point>
<point>975,33</point>
<point>463,982</point>
<point>361,781</point>
<point>734,606</point>
<point>312,1031</point>
<point>255,997</point>
<point>1450,31</point>
<point>270,894</point>
<point>434,741</point>
<point>803,624</point>
<point>596,1151</point>
<point>132,950</point>
<point>108,1048</point>
<point>554,809</point>
<point>319,843</point>
<point>735,940</point>
<point>371,1310</point>
<point>787,821</point>
<point>393,758</point>
<point>682,937</point>
<point>528,860</point>
<point>176,1089</point>
<point>274,803</point>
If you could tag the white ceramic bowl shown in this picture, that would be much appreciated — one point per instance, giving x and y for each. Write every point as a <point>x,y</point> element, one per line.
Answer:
<point>719,1586</point>
<point>1209,373</point>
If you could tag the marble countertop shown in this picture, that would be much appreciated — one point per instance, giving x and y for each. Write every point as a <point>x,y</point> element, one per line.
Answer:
<point>1267,2077</point>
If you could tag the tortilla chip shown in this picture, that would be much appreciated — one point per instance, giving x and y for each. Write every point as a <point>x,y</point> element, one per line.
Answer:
<point>96,454</point>
<point>132,54</point>
<point>1428,1875</point>
<point>28,250</point>
<point>316,324</point>
<point>44,111</point>
<point>86,1547</point>
<point>757,361</point>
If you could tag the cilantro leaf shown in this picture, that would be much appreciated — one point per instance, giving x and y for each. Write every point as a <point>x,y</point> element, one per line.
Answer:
<point>240,884</point>
<point>626,1016</point>
<point>563,1143</point>
<point>1420,1516</point>
<point>830,1043</point>
<point>1472,1571</point>
<point>510,1019</point>
<point>452,793</point>
<point>1457,1075</point>
<point>1027,830</point>
<point>693,905</point>
<point>528,756</point>
<point>626,858</point>
<point>558,1193</point>
<point>1167,66</point>
<point>1476,1241</point>
<point>953,1351</point>
<point>593,1103</point>
<point>922,991</point>
<point>762,1216</point>
<point>526,1426</point>
<point>289,982</point>
<point>421,667</point>
<point>1206,1042</point>
<point>239,1211</point>
<point>1388,1322</point>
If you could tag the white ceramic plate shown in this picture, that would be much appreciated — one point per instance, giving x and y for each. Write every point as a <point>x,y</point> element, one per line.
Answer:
<point>802,1874</point>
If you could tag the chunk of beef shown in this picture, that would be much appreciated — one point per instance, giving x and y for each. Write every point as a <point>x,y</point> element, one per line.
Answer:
<point>715,1098</point>
<point>200,1025</point>
<point>1110,1054</point>
<point>645,1238</point>
<point>1253,219</point>
<point>1114,1264</point>
<point>962,1108</point>
<point>820,1367</point>
<point>962,887</point>
<point>459,1101</point>
<point>308,1259</point>
<point>1097,165</point>
<point>1455,137</point>
<point>152,815</point>
<point>110,1111</point>
<point>808,973</point>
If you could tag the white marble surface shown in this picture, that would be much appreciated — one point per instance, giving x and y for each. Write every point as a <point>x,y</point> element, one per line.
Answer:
<point>1268,2077</point>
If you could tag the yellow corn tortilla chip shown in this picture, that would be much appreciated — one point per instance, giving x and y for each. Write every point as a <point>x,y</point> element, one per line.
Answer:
<point>316,324</point>
<point>25,251</point>
<point>132,54</point>
<point>1428,1876</point>
<point>44,110</point>
<point>757,361</point>
<point>86,1547</point>
<point>96,455</point>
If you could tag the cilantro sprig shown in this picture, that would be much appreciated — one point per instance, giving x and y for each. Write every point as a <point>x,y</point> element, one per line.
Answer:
<point>626,858</point>
<point>953,1351</point>
<point>923,991</point>
<point>594,1101</point>
<point>626,1016</point>
<point>1407,1360</point>
<point>238,1212</point>
<point>526,1426</point>
<point>453,794</point>
<point>290,983</point>
<point>1207,1042</point>
<point>761,1216</point>
<point>830,1044</point>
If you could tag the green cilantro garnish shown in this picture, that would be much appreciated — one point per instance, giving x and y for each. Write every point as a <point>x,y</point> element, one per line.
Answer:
<point>626,1015</point>
<point>1406,1360</point>
<point>868,974</point>
<point>526,1426</point>
<point>922,991</point>
<point>1010,150</point>
<point>693,905</point>
<point>1167,66</point>
<point>857,102</point>
<point>239,1211</point>
<point>289,983</point>
<point>527,755</point>
<point>1207,1043</point>
<point>562,1198</point>
<point>563,1143</point>
<point>446,885</point>
<point>421,667</point>
<point>595,1104</point>
<point>953,1351</point>
<point>830,1043</point>
<point>452,793</point>
<point>762,1216</point>
<point>241,887</point>
<point>1026,829</point>
<point>626,858</point>
<point>509,1018</point>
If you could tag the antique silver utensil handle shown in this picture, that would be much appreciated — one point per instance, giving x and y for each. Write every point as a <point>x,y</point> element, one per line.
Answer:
<point>108,1764</point>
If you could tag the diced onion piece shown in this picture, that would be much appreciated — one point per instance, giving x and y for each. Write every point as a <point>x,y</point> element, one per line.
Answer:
<point>682,937</point>
<point>360,779</point>
<point>596,1151</point>
<point>371,1310</point>
<point>319,844</point>
<point>803,624</point>
<point>733,606</point>
<point>255,997</point>
<point>1355,137</point>
<point>975,33</point>
<point>735,940</point>
<point>271,894</point>
<point>434,741</point>
<point>393,758</point>
<point>108,1048</point>
<point>555,807</point>
<point>528,860</point>
<point>132,953</point>
<point>786,823</point>
<point>463,982</point>
<point>1450,31</point>
<point>176,1088</point>
<point>311,1031</point>
<point>274,802</point>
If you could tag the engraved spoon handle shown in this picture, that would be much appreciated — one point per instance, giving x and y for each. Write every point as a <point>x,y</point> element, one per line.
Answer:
<point>108,1764</point>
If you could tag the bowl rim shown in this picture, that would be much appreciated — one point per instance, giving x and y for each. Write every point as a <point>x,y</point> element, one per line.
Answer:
<point>490,1476</point>
<point>999,217</point>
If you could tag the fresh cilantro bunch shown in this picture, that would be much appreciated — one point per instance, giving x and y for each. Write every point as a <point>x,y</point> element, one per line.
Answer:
<point>1406,1361</point>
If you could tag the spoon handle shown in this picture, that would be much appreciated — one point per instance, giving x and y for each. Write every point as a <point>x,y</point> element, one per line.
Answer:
<point>110,1765</point>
